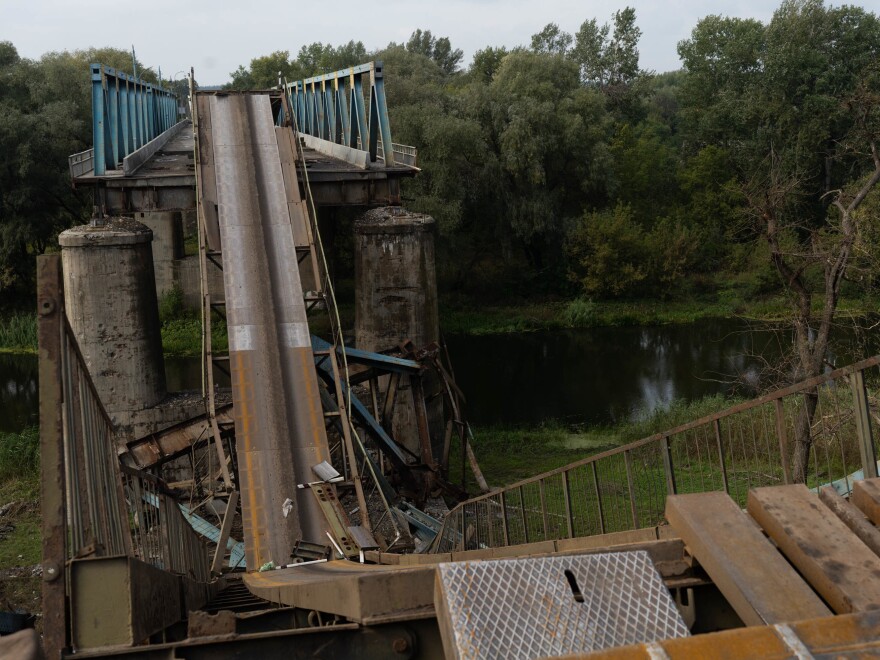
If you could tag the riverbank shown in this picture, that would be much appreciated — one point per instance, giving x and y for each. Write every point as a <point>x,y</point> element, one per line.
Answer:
<point>181,330</point>
<point>507,454</point>
<point>464,317</point>
<point>20,544</point>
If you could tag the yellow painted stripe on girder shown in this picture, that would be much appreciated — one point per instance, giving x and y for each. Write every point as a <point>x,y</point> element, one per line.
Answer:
<point>245,416</point>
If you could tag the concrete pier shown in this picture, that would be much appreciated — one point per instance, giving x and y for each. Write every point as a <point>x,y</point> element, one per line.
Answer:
<point>167,228</point>
<point>396,298</point>
<point>110,296</point>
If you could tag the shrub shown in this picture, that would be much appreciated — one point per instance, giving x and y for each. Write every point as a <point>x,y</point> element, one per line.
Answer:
<point>580,313</point>
<point>19,332</point>
<point>171,304</point>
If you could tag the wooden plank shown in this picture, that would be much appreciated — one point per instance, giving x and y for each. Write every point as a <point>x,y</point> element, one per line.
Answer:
<point>757,581</point>
<point>866,496</point>
<point>832,559</point>
<point>852,518</point>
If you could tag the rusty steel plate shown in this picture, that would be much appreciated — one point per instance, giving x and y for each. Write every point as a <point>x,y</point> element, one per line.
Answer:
<point>547,606</point>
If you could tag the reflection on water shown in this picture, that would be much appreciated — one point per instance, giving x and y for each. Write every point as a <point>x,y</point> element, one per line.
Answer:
<point>19,394</point>
<point>606,375</point>
<point>598,376</point>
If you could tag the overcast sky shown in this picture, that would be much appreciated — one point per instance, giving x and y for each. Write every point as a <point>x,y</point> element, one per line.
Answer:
<point>216,36</point>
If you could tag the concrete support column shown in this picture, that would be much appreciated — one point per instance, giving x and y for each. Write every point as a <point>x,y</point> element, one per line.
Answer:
<point>396,298</point>
<point>167,228</point>
<point>110,295</point>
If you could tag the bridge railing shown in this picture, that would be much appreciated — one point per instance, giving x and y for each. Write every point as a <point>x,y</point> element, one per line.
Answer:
<point>127,113</point>
<point>160,533</point>
<point>92,506</point>
<point>334,107</point>
<point>746,446</point>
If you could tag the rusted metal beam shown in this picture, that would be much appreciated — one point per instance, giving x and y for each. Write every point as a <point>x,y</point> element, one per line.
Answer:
<point>849,636</point>
<point>171,442</point>
<point>359,592</point>
<point>50,314</point>
<point>120,601</point>
<point>225,531</point>
<point>864,431</point>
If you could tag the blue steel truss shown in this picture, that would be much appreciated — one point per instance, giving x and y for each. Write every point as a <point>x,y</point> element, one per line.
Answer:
<point>332,107</point>
<point>127,113</point>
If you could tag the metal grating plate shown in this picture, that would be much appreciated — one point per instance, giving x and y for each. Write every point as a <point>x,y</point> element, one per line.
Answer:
<point>526,608</point>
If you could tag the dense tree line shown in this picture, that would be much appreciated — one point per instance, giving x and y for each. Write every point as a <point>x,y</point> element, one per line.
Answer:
<point>563,167</point>
<point>45,115</point>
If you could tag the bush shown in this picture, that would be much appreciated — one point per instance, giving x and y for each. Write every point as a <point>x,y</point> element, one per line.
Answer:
<point>580,313</point>
<point>609,254</point>
<point>171,304</point>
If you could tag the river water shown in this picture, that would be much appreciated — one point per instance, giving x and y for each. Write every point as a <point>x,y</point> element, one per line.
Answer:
<point>596,376</point>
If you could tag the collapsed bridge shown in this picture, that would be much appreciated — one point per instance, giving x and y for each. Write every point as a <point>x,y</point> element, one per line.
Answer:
<point>322,456</point>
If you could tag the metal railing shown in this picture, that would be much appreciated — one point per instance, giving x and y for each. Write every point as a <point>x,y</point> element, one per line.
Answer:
<point>332,107</point>
<point>97,521</point>
<point>127,113</point>
<point>160,533</point>
<point>743,447</point>
<point>114,509</point>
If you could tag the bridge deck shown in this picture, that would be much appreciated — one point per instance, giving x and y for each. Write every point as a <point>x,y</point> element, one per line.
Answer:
<point>166,180</point>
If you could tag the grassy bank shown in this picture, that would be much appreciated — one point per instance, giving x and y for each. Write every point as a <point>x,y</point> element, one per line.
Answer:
<point>18,333</point>
<point>181,329</point>
<point>507,454</point>
<point>19,498</point>
<point>20,544</point>
<point>459,316</point>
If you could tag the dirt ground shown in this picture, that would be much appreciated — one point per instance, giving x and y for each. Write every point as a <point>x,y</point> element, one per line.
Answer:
<point>20,570</point>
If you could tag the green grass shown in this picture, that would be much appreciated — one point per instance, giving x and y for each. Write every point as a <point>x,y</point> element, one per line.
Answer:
<point>20,454</point>
<point>632,490</point>
<point>507,454</point>
<point>18,333</point>
<point>461,316</point>
<point>183,337</point>
<point>20,486</point>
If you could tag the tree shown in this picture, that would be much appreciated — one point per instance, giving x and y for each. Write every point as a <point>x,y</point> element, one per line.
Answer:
<point>611,63</point>
<point>551,40</point>
<point>45,115</point>
<point>550,135</point>
<point>486,62</point>
<point>438,49</point>
<point>313,59</point>
<point>795,105</point>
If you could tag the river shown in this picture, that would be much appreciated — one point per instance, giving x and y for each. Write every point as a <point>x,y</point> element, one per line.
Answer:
<point>594,377</point>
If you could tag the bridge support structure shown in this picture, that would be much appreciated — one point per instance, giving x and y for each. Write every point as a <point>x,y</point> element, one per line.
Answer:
<point>167,228</point>
<point>111,303</point>
<point>396,301</point>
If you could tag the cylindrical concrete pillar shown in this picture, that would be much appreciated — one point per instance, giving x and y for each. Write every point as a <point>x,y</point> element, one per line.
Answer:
<point>395,279</point>
<point>396,300</point>
<point>167,228</point>
<point>110,296</point>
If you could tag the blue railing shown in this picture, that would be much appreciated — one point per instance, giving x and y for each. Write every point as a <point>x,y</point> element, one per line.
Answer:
<point>127,113</point>
<point>332,107</point>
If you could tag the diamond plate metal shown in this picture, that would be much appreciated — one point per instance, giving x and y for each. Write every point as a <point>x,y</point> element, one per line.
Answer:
<point>526,608</point>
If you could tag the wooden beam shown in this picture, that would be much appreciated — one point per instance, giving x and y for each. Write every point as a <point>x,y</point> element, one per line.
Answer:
<point>866,496</point>
<point>755,579</point>
<point>841,568</point>
<point>851,517</point>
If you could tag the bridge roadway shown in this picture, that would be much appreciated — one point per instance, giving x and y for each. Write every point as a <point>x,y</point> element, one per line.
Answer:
<point>279,421</point>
